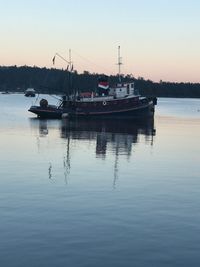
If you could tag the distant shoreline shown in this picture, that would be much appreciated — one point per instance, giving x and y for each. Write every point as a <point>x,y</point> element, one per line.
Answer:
<point>54,81</point>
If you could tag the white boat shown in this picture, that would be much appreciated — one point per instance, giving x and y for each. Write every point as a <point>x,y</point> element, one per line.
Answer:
<point>30,92</point>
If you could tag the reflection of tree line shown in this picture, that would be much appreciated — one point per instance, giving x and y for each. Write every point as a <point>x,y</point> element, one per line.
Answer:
<point>117,136</point>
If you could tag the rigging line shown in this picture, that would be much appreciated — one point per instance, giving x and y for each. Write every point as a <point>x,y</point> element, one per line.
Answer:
<point>37,97</point>
<point>57,54</point>
<point>55,97</point>
<point>91,61</point>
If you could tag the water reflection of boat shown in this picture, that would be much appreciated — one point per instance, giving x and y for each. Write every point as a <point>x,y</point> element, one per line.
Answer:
<point>112,131</point>
<point>109,126</point>
<point>111,137</point>
<point>114,136</point>
<point>121,133</point>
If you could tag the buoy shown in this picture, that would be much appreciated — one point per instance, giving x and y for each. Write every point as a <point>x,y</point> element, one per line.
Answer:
<point>43,103</point>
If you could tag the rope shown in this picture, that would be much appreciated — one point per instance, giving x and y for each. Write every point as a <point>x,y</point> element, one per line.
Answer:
<point>89,61</point>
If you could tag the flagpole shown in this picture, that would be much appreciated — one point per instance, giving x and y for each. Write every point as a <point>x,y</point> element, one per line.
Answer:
<point>119,63</point>
<point>70,76</point>
<point>70,59</point>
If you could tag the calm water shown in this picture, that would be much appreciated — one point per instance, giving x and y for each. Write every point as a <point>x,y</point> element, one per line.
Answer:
<point>100,193</point>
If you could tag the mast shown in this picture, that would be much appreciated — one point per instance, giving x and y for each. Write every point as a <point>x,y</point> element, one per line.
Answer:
<point>70,60</point>
<point>69,69</point>
<point>70,73</point>
<point>119,63</point>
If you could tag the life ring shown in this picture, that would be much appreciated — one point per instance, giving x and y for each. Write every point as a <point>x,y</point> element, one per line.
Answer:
<point>104,103</point>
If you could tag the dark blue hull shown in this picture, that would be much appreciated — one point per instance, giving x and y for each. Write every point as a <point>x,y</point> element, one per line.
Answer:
<point>141,110</point>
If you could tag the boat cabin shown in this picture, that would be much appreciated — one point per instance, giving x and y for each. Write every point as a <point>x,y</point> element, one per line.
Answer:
<point>123,90</point>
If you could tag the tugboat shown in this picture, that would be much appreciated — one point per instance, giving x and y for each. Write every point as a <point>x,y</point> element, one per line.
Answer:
<point>120,101</point>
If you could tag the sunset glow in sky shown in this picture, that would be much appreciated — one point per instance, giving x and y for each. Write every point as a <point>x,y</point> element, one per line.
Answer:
<point>159,39</point>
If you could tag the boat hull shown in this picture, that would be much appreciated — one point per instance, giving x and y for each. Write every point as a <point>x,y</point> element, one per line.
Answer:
<point>135,112</point>
<point>141,110</point>
<point>46,113</point>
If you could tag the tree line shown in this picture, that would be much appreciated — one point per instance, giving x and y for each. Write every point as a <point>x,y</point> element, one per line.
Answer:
<point>54,81</point>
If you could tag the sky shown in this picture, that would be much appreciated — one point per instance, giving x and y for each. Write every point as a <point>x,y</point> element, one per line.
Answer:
<point>159,39</point>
